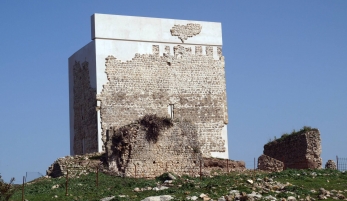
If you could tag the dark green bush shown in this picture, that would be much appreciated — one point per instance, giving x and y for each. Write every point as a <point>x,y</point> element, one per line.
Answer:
<point>7,189</point>
<point>154,125</point>
<point>286,135</point>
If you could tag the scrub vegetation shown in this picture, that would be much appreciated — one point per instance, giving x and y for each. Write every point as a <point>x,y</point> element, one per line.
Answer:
<point>297,183</point>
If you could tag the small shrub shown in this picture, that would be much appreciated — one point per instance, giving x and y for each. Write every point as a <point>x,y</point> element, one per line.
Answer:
<point>154,125</point>
<point>163,177</point>
<point>196,149</point>
<point>306,128</point>
<point>293,132</point>
<point>6,189</point>
<point>285,135</point>
<point>269,141</point>
<point>188,186</point>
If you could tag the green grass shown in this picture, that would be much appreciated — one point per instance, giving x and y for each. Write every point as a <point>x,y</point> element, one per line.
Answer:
<point>84,188</point>
<point>293,133</point>
<point>327,179</point>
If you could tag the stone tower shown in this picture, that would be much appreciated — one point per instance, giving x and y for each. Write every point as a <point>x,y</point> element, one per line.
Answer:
<point>136,66</point>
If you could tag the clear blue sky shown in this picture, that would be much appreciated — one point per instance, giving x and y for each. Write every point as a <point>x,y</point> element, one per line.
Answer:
<point>286,67</point>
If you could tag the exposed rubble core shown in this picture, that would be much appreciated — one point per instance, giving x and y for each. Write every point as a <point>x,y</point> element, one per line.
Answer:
<point>300,150</point>
<point>76,165</point>
<point>153,102</point>
<point>138,150</point>
<point>131,152</point>
<point>191,91</point>
<point>222,165</point>
<point>269,164</point>
<point>330,164</point>
<point>188,85</point>
<point>185,31</point>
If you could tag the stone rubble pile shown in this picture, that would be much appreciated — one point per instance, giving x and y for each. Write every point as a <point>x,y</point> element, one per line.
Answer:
<point>222,165</point>
<point>330,165</point>
<point>83,164</point>
<point>270,164</point>
<point>76,165</point>
<point>260,190</point>
<point>333,194</point>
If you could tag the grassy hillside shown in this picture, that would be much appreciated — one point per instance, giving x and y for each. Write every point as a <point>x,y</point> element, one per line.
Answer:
<point>297,183</point>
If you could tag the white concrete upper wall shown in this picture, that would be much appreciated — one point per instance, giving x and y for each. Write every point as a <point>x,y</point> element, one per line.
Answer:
<point>131,28</point>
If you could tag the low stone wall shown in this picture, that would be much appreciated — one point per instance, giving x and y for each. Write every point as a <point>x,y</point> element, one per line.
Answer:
<point>222,165</point>
<point>76,165</point>
<point>297,151</point>
<point>134,150</point>
<point>269,164</point>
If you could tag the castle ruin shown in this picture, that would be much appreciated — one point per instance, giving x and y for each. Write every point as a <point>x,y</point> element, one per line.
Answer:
<point>299,150</point>
<point>165,68</point>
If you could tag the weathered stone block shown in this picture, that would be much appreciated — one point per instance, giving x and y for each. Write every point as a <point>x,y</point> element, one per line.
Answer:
<point>300,150</point>
<point>269,164</point>
<point>330,164</point>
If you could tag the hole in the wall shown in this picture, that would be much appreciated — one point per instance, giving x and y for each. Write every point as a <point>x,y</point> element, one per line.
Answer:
<point>194,161</point>
<point>153,162</point>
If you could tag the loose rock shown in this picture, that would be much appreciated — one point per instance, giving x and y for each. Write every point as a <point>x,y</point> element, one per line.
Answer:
<point>158,198</point>
<point>107,198</point>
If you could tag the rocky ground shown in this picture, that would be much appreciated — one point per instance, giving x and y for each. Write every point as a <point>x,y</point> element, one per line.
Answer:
<point>288,185</point>
<point>262,189</point>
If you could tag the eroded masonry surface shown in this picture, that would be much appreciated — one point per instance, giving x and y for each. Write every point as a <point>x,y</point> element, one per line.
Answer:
<point>191,86</point>
<point>186,88</point>
<point>297,151</point>
<point>85,124</point>
<point>173,70</point>
<point>131,152</point>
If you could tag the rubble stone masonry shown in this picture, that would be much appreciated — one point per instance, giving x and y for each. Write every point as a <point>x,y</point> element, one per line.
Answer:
<point>129,152</point>
<point>188,88</point>
<point>191,86</point>
<point>269,164</point>
<point>138,66</point>
<point>297,151</point>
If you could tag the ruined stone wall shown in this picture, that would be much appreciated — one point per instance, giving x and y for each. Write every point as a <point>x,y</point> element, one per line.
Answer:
<point>75,165</point>
<point>192,82</point>
<point>269,164</point>
<point>85,116</point>
<point>219,165</point>
<point>131,153</point>
<point>298,151</point>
